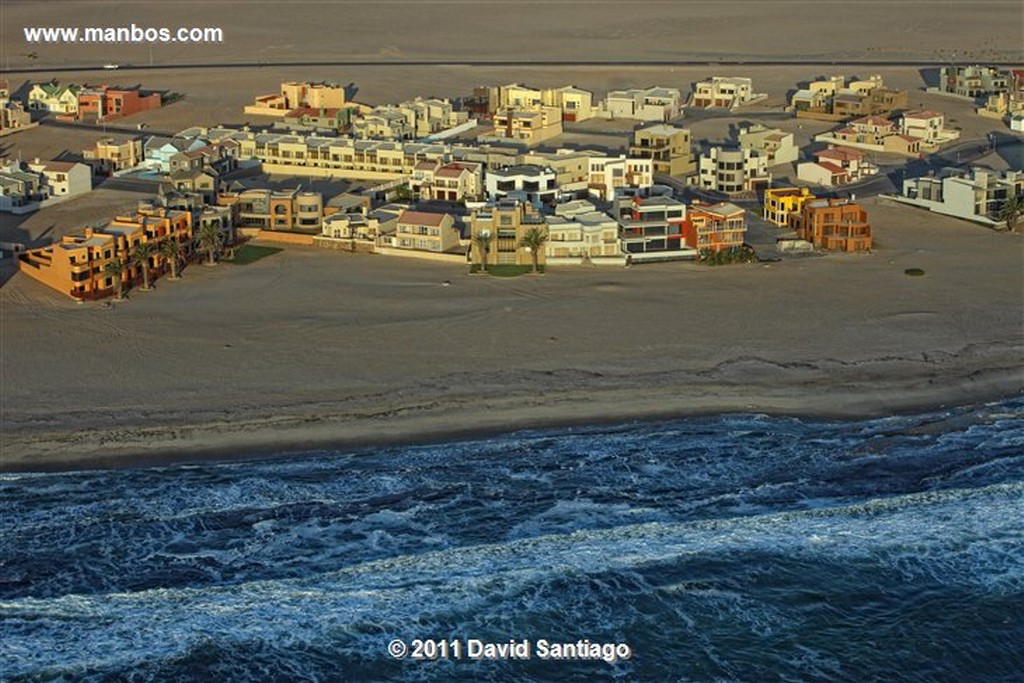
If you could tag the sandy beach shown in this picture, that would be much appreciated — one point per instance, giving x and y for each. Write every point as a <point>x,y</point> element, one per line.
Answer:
<point>310,348</point>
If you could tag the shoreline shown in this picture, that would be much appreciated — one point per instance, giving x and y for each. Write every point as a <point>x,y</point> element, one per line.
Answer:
<point>306,428</point>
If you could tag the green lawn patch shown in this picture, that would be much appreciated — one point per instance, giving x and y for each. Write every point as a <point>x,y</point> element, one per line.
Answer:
<point>505,269</point>
<point>914,272</point>
<point>248,253</point>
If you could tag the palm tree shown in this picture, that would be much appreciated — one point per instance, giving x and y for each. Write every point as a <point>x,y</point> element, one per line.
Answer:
<point>210,240</point>
<point>115,271</point>
<point>483,240</point>
<point>171,250</point>
<point>1011,211</point>
<point>534,240</point>
<point>141,255</point>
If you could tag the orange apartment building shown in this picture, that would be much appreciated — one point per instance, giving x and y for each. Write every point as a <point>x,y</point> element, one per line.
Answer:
<point>104,102</point>
<point>715,227</point>
<point>75,265</point>
<point>833,224</point>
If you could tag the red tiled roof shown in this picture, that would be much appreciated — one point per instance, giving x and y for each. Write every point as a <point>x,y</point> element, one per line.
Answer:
<point>58,165</point>
<point>921,114</point>
<point>840,153</point>
<point>832,168</point>
<point>451,171</point>
<point>421,218</point>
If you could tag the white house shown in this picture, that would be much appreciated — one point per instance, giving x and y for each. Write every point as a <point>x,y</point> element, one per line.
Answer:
<point>535,184</point>
<point>927,126</point>
<point>579,233</point>
<point>63,178</point>
<point>835,166</point>
<point>733,170</point>
<point>607,176</point>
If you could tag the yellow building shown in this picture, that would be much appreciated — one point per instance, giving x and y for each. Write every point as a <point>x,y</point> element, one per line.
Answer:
<point>296,95</point>
<point>504,224</point>
<point>424,231</point>
<point>779,202</point>
<point>531,127</point>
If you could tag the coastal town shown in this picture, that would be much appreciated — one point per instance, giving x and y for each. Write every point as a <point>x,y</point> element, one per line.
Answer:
<point>500,180</point>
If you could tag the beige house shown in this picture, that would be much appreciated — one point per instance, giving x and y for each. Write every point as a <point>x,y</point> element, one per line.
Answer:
<point>425,231</point>
<point>668,147</point>
<point>579,233</point>
<point>609,176</point>
<point>110,155</point>
<point>63,178</point>
<point>724,92</point>
<point>528,126</point>
<point>776,144</point>
<point>927,126</point>
<point>451,182</point>
<point>651,104</point>
<point>836,166</point>
<point>576,104</point>
<point>504,224</point>
<point>296,95</point>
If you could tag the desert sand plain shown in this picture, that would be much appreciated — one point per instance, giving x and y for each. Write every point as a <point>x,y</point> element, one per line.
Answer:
<point>310,348</point>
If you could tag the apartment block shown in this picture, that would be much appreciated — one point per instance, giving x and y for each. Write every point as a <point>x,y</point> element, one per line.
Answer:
<point>780,202</point>
<point>668,147</point>
<point>504,223</point>
<point>833,224</point>
<point>976,195</point>
<point>723,92</point>
<point>650,104</point>
<point>777,145</point>
<point>579,233</point>
<point>715,227</point>
<point>733,171</point>
<point>609,176</point>
<point>75,265</point>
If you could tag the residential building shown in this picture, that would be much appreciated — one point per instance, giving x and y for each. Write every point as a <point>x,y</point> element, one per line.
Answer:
<point>650,104</point>
<point>451,182</point>
<point>528,126</point>
<point>667,146</point>
<point>975,81</point>
<point>575,103</point>
<point>13,116</point>
<point>833,224</point>
<point>159,150</point>
<point>571,167</point>
<point>1017,123</point>
<point>837,99</point>
<point>874,133</point>
<point>351,226</point>
<point>54,98</point>
<point>76,265</point>
<point>927,126</point>
<point>1006,105</point>
<point>334,118</point>
<point>976,195</point>
<point>780,202</point>
<point>111,155</point>
<point>63,178</point>
<point>724,92</point>
<point>275,209</point>
<point>533,184</point>
<point>425,231</point>
<point>19,188</point>
<point>579,233</point>
<point>609,176</point>
<point>715,227</point>
<point>299,95</point>
<point>103,102</point>
<point>777,145</point>
<point>505,223</point>
<point>733,171</point>
<point>836,166</point>
<point>652,228</point>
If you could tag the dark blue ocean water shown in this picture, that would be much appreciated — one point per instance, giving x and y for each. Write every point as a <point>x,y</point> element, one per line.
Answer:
<point>736,548</point>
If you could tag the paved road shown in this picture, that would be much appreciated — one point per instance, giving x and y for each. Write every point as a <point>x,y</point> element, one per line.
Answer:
<point>103,128</point>
<point>499,63</point>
